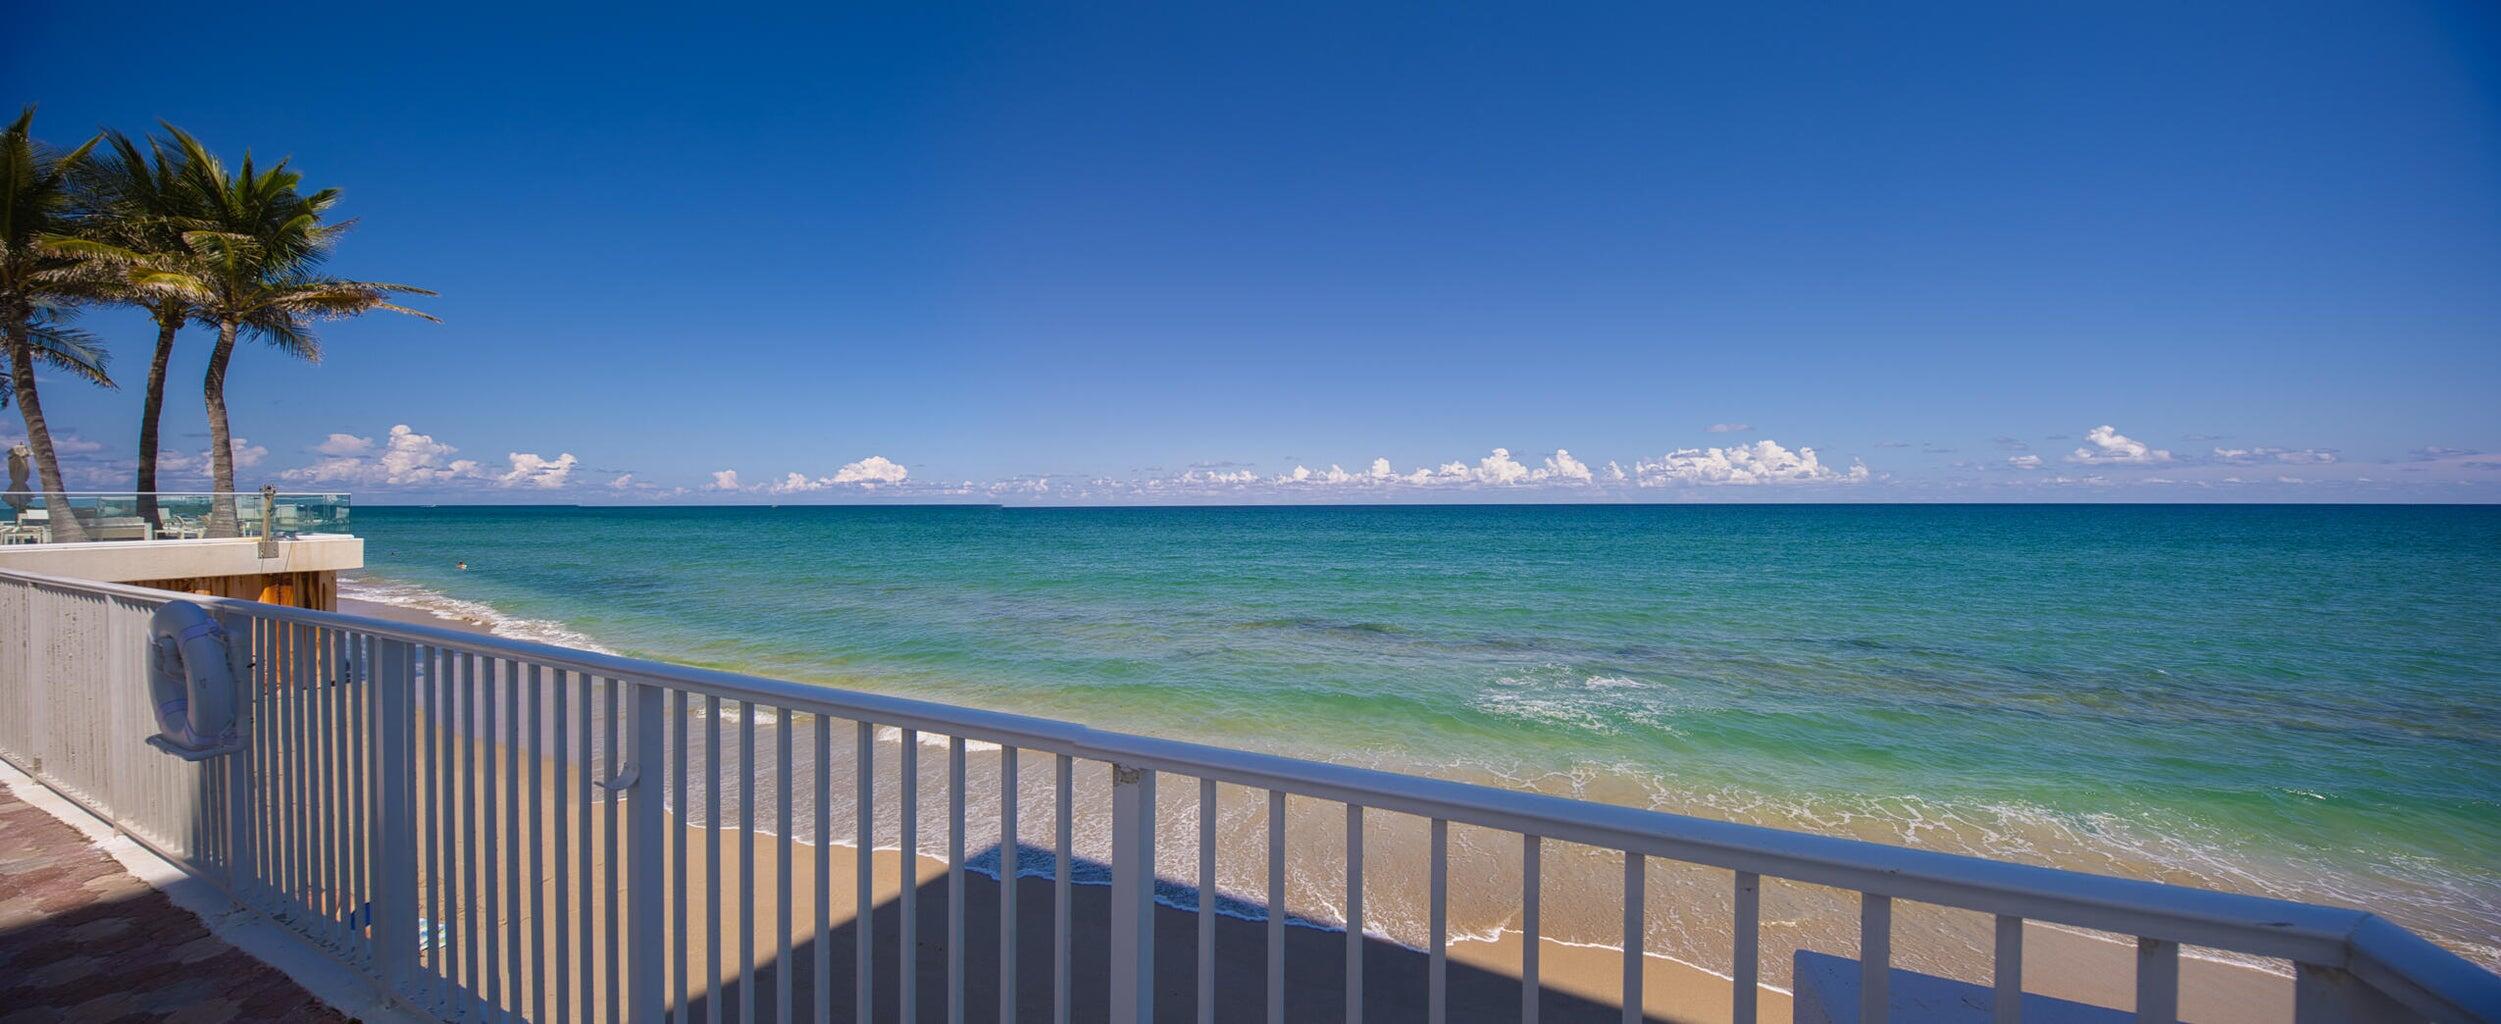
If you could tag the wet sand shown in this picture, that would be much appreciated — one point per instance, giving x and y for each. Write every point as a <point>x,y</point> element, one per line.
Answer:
<point>1578,982</point>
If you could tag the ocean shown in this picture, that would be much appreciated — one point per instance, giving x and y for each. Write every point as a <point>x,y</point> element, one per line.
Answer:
<point>2294,701</point>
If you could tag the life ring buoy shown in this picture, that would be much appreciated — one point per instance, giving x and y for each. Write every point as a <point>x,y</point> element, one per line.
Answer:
<point>191,682</point>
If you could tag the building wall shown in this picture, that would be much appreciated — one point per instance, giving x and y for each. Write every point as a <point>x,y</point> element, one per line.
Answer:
<point>315,590</point>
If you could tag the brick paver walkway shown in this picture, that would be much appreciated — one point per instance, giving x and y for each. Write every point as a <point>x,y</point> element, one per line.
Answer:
<point>82,940</point>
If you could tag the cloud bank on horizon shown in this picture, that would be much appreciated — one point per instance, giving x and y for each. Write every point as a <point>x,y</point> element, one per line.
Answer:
<point>2108,463</point>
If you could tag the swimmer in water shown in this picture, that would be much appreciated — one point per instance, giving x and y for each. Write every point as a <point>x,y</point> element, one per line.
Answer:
<point>464,566</point>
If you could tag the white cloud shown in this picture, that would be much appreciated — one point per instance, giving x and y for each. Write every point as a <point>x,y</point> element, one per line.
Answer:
<point>870,472</point>
<point>2025,461</point>
<point>197,464</point>
<point>1763,462</point>
<point>622,482</point>
<point>533,470</point>
<point>2295,456</point>
<point>2105,445</point>
<point>409,459</point>
<point>1729,428</point>
<point>1500,468</point>
<point>1218,476</point>
<point>345,444</point>
<point>867,474</point>
<point>1497,469</point>
<point>1562,466</point>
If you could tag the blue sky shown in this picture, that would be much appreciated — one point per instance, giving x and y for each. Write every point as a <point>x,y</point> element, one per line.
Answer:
<point>1129,253</point>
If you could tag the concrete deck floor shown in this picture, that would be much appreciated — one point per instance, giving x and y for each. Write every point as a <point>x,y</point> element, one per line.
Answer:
<point>83,940</point>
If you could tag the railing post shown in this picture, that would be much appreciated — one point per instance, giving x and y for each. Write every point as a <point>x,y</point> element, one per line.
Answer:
<point>647,879</point>
<point>1133,895</point>
<point>2332,995</point>
<point>269,522</point>
<point>395,833</point>
<point>241,881</point>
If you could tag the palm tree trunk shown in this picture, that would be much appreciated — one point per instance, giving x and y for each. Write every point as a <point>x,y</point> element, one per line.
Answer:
<point>222,520</point>
<point>168,321</point>
<point>64,521</point>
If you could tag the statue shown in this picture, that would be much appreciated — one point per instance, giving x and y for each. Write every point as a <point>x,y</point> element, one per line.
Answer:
<point>19,497</point>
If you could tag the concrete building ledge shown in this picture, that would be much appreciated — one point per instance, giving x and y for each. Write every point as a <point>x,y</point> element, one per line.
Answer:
<point>134,561</point>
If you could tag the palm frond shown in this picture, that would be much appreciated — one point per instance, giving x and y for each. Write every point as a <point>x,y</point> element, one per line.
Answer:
<point>71,351</point>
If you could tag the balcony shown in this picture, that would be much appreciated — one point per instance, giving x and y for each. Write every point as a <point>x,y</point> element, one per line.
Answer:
<point>482,829</point>
<point>120,516</point>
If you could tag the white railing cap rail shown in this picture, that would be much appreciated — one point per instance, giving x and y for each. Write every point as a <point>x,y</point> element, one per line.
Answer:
<point>2416,972</point>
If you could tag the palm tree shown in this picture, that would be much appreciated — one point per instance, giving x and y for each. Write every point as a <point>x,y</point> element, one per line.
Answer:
<point>40,288</point>
<point>252,250</point>
<point>137,204</point>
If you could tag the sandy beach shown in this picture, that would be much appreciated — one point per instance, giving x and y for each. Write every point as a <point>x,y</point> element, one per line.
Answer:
<point>1579,982</point>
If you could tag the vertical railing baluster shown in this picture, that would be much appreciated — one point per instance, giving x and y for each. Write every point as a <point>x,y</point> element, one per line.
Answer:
<point>824,976</point>
<point>395,925</point>
<point>907,936</point>
<point>538,844</point>
<point>506,734</point>
<point>299,735</point>
<point>248,868</point>
<point>863,882</point>
<point>1532,874</point>
<point>479,932</point>
<point>1206,901</point>
<point>2157,981</point>
<point>1133,895</point>
<point>513,944</point>
<point>326,796</point>
<point>436,966</point>
<point>342,883</point>
<point>782,897</point>
<point>647,875</point>
<point>363,780</point>
<point>491,840</point>
<point>1437,973</point>
<point>955,880</point>
<point>1875,956</point>
<point>1746,960</point>
<point>559,697</point>
<point>586,902</point>
<point>1062,977</point>
<point>2009,970</point>
<point>320,889</point>
<point>714,820</point>
<point>264,798</point>
<point>681,750</point>
<point>1354,914</point>
<point>1276,906</point>
<point>1007,884</point>
<point>609,895</point>
<point>1636,895</point>
<point>447,667</point>
<point>746,861</point>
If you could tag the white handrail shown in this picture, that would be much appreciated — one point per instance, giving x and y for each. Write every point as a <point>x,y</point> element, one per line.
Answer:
<point>2397,964</point>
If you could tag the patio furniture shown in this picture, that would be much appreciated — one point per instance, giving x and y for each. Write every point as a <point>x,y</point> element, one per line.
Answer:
<point>173,526</point>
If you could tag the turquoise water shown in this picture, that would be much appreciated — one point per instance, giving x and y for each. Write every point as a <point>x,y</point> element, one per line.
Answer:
<point>2298,701</point>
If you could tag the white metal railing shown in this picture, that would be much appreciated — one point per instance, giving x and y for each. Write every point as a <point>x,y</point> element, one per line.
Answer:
<point>480,827</point>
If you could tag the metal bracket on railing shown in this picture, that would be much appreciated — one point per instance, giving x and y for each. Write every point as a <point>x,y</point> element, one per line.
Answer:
<point>624,780</point>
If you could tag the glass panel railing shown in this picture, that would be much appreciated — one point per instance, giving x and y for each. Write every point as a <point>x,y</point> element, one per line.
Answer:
<point>29,518</point>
